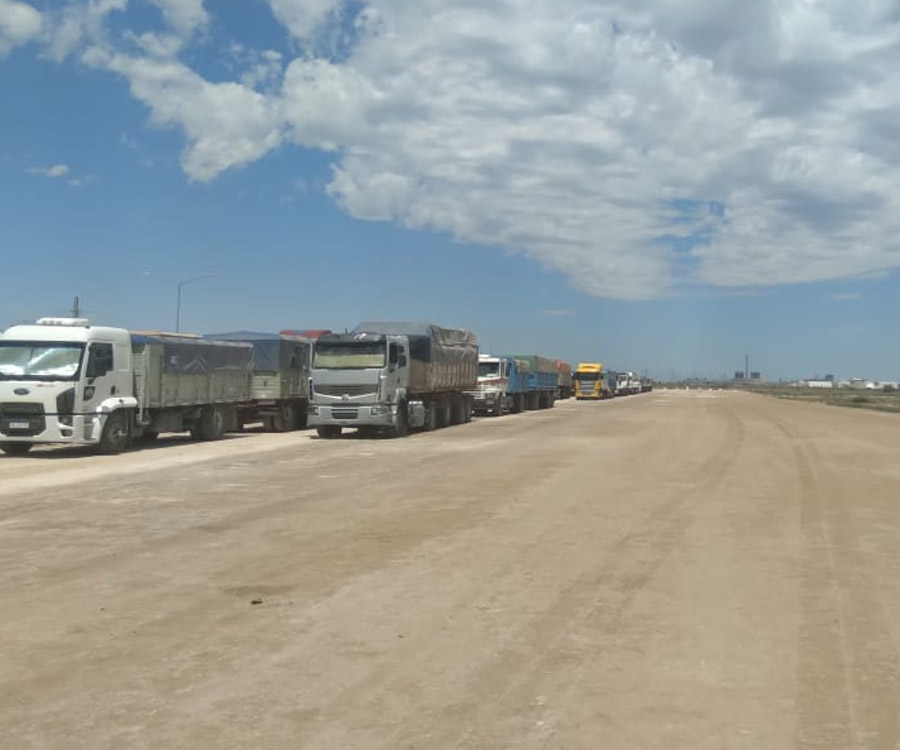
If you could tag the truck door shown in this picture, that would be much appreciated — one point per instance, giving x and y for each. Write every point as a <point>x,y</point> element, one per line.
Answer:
<point>397,363</point>
<point>100,380</point>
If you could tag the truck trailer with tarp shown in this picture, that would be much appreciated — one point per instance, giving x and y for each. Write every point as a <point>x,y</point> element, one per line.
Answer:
<point>279,384</point>
<point>543,381</point>
<point>564,380</point>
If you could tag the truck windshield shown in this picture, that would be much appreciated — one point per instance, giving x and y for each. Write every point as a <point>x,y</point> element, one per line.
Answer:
<point>349,356</point>
<point>488,369</point>
<point>40,360</point>
<point>588,377</point>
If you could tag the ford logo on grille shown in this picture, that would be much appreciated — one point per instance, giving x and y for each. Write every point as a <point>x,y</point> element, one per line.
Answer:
<point>21,391</point>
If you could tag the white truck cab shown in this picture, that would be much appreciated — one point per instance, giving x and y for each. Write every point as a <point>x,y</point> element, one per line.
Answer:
<point>59,380</point>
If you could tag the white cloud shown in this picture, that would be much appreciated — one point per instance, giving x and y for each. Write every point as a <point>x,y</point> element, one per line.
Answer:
<point>78,21</point>
<point>638,147</point>
<point>227,124</point>
<point>302,17</point>
<point>19,23</point>
<point>57,170</point>
<point>184,15</point>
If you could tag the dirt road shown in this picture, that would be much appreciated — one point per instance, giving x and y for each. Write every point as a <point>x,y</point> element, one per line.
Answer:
<point>673,570</point>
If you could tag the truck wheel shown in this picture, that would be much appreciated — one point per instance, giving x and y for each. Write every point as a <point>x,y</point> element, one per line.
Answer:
<point>211,425</point>
<point>116,435</point>
<point>329,431</point>
<point>401,429</point>
<point>284,421</point>
<point>15,449</point>
<point>430,418</point>
<point>468,411</point>
<point>442,414</point>
<point>300,417</point>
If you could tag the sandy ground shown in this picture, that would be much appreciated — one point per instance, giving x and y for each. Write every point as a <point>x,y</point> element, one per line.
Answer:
<point>672,570</point>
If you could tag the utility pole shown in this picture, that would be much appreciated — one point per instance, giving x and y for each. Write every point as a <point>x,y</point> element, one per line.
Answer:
<point>76,309</point>
<point>746,367</point>
<point>178,303</point>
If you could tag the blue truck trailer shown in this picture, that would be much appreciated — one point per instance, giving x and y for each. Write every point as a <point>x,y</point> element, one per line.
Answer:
<point>543,381</point>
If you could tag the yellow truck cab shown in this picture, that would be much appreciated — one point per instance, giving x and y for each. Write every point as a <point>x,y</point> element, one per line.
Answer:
<point>589,382</point>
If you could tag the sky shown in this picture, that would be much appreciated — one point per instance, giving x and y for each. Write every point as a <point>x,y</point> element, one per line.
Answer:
<point>665,186</point>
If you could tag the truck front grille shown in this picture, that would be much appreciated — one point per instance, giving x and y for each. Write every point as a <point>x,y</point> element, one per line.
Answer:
<point>22,419</point>
<point>344,413</point>
<point>346,390</point>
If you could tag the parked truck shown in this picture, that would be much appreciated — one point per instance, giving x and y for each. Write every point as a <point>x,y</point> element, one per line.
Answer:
<point>590,382</point>
<point>623,383</point>
<point>503,385</point>
<point>279,384</point>
<point>564,380</point>
<point>65,381</point>
<point>543,381</point>
<point>388,377</point>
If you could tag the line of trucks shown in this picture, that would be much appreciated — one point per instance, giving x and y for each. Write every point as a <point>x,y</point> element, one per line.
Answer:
<point>65,381</point>
<point>590,382</point>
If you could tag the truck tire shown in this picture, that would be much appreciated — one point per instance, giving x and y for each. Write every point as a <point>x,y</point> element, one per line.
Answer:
<point>401,429</point>
<point>282,421</point>
<point>116,435</point>
<point>211,425</point>
<point>329,431</point>
<point>430,418</point>
<point>15,449</point>
<point>457,415</point>
<point>442,413</point>
<point>468,409</point>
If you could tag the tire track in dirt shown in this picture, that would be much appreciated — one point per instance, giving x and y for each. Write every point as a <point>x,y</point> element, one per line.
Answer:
<point>596,603</point>
<point>848,679</point>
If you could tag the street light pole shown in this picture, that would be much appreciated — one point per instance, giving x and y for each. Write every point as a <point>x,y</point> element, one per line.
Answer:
<point>182,284</point>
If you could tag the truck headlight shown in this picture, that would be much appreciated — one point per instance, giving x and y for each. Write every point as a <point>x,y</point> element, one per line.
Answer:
<point>377,411</point>
<point>313,411</point>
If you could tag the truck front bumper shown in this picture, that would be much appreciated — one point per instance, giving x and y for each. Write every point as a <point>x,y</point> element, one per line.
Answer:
<point>85,429</point>
<point>375,415</point>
